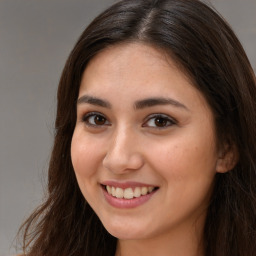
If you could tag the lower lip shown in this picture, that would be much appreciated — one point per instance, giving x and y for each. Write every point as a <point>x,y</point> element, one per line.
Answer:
<point>127,203</point>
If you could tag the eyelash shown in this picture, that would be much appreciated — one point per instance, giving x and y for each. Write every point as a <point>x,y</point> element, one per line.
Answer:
<point>89,115</point>
<point>166,121</point>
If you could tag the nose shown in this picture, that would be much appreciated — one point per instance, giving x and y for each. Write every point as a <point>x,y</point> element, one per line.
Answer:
<point>123,152</point>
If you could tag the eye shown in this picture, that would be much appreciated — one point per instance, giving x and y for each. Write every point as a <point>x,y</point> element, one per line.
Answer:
<point>95,119</point>
<point>159,121</point>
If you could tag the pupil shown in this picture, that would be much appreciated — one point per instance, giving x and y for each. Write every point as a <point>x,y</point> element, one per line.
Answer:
<point>160,122</point>
<point>99,120</point>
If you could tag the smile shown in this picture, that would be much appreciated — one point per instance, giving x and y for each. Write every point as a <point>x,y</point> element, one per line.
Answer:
<point>128,193</point>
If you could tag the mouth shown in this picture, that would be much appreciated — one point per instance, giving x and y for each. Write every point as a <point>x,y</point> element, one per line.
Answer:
<point>129,192</point>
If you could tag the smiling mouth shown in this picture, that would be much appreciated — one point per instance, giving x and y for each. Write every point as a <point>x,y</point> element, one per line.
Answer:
<point>129,193</point>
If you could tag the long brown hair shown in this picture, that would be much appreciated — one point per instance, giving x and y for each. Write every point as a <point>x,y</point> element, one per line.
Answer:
<point>207,50</point>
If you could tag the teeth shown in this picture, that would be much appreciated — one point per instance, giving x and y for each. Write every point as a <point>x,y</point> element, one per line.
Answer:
<point>113,191</point>
<point>144,191</point>
<point>137,192</point>
<point>109,189</point>
<point>119,193</point>
<point>129,193</point>
<point>150,189</point>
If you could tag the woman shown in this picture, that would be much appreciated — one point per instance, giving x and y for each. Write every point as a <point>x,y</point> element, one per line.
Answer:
<point>154,150</point>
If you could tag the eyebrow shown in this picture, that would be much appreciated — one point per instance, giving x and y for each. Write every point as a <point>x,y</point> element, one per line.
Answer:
<point>140,104</point>
<point>151,102</point>
<point>94,101</point>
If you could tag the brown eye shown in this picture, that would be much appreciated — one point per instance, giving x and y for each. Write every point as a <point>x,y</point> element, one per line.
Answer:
<point>159,121</point>
<point>95,119</point>
<point>99,120</point>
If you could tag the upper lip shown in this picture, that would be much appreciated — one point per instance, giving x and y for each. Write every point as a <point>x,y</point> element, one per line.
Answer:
<point>126,184</point>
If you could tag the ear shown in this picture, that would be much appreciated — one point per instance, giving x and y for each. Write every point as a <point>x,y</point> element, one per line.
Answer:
<point>227,159</point>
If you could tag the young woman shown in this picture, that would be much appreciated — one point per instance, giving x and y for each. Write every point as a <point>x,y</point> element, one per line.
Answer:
<point>154,152</point>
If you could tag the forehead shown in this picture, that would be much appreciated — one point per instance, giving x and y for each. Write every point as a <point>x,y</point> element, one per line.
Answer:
<point>132,49</point>
<point>131,62</point>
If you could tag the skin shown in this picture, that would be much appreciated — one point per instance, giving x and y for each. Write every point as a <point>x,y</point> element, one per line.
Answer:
<point>178,155</point>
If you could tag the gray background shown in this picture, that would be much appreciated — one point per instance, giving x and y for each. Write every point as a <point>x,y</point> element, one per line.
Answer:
<point>35,40</point>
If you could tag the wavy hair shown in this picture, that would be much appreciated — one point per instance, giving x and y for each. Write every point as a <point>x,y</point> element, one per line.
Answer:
<point>207,50</point>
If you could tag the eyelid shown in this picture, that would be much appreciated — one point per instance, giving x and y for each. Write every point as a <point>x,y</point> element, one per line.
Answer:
<point>87,115</point>
<point>172,120</point>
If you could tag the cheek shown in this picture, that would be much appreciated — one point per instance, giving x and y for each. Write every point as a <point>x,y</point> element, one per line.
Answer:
<point>188,172</point>
<point>185,157</point>
<point>84,156</point>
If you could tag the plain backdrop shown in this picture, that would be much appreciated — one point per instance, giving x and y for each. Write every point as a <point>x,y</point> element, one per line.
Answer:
<point>36,37</point>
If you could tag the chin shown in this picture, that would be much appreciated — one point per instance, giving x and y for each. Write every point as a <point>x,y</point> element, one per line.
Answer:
<point>126,235</point>
<point>126,232</point>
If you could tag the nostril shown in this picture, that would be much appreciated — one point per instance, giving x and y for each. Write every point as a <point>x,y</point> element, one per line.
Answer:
<point>123,162</point>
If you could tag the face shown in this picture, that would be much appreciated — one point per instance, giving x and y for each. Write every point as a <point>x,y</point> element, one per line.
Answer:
<point>144,147</point>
